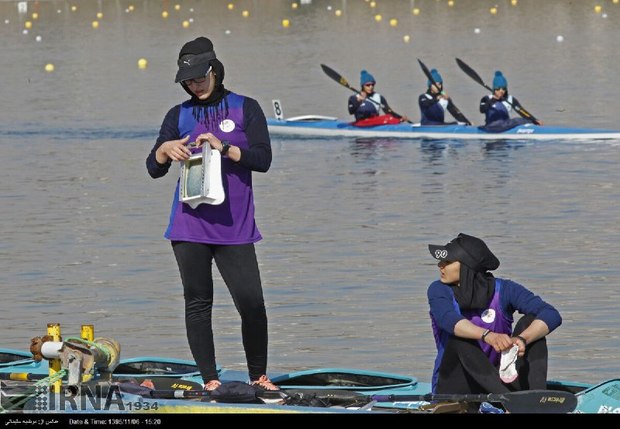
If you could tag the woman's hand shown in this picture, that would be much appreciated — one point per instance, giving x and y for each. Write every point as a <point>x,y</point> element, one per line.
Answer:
<point>499,342</point>
<point>175,150</point>
<point>213,141</point>
<point>519,341</point>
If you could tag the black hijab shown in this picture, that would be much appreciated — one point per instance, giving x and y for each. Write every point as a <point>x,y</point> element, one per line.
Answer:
<point>475,289</point>
<point>477,284</point>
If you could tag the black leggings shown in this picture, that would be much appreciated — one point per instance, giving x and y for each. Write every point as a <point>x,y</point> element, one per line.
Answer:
<point>239,269</point>
<point>466,369</point>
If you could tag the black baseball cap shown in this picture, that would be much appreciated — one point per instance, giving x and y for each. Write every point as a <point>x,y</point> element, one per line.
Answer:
<point>195,59</point>
<point>468,250</point>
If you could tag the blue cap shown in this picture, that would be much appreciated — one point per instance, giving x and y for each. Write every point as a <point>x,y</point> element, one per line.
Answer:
<point>436,77</point>
<point>366,77</point>
<point>499,81</point>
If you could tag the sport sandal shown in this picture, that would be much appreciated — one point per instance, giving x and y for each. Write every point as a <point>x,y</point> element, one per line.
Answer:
<point>264,383</point>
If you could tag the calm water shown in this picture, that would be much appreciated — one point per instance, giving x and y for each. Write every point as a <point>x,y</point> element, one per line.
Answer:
<point>346,222</point>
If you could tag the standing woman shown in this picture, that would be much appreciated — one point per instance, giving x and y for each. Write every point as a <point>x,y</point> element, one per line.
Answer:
<point>234,125</point>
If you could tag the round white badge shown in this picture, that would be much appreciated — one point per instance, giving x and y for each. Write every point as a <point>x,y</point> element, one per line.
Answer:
<point>227,125</point>
<point>488,316</point>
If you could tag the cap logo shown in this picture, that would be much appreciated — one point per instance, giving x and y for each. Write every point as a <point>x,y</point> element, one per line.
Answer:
<point>441,254</point>
<point>191,60</point>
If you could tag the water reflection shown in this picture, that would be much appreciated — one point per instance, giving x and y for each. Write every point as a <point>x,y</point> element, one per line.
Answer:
<point>433,150</point>
<point>373,148</point>
<point>501,148</point>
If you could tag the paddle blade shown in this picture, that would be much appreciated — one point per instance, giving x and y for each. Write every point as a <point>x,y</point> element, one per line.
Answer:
<point>335,75</point>
<point>537,401</point>
<point>471,73</point>
<point>426,71</point>
<point>524,401</point>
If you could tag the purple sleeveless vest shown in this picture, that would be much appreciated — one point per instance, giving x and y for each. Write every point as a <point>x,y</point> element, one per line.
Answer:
<point>492,318</point>
<point>231,222</point>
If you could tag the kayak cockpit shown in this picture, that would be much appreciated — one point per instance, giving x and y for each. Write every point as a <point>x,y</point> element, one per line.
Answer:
<point>331,378</point>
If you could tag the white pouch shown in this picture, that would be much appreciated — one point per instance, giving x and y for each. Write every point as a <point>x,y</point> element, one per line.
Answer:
<point>201,179</point>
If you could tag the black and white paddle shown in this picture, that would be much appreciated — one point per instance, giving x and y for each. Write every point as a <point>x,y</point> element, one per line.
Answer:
<point>523,401</point>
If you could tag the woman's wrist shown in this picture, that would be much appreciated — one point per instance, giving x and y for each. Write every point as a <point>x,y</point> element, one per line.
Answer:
<point>484,335</point>
<point>161,158</point>
<point>224,147</point>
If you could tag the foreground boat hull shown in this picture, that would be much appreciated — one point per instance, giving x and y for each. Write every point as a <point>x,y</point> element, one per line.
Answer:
<point>334,390</point>
<point>322,126</point>
<point>22,376</point>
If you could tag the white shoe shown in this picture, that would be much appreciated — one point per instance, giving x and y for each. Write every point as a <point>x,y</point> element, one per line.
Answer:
<point>508,364</point>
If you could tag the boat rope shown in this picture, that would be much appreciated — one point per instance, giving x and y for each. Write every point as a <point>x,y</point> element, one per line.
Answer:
<point>39,388</point>
<point>99,347</point>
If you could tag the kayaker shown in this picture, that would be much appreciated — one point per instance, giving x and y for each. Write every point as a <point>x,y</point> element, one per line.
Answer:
<point>235,125</point>
<point>368,104</point>
<point>472,319</point>
<point>498,106</point>
<point>435,101</point>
